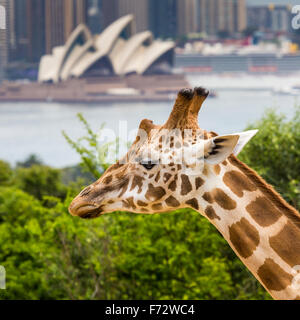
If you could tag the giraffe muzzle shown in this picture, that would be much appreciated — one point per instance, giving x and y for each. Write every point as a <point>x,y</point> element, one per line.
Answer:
<point>84,210</point>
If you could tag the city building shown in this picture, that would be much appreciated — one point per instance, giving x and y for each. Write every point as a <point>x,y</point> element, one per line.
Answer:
<point>186,15</point>
<point>6,34</point>
<point>109,12</point>
<point>139,8</point>
<point>31,39</point>
<point>163,18</point>
<point>62,17</point>
<point>240,15</point>
<point>215,17</point>
<point>94,16</point>
<point>270,18</point>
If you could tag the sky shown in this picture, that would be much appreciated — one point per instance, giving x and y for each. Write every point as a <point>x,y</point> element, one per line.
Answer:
<point>264,2</point>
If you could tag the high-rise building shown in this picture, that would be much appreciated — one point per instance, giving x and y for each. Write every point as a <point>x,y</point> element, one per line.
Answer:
<point>215,16</point>
<point>186,15</point>
<point>62,17</point>
<point>35,30</point>
<point>270,18</point>
<point>258,17</point>
<point>75,13</point>
<point>6,34</point>
<point>280,18</point>
<point>163,18</point>
<point>139,8</point>
<point>109,12</point>
<point>240,15</point>
<point>54,18</point>
<point>94,16</point>
<point>19,50</point>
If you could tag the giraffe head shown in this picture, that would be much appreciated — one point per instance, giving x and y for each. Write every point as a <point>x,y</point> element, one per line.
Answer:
<point>165,167</point>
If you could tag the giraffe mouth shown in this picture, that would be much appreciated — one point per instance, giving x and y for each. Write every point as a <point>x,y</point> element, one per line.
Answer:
<point>85,211</point>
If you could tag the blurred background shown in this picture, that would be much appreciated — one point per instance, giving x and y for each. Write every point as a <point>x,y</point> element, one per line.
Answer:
<point>69,66</point>
<point>120,59</point>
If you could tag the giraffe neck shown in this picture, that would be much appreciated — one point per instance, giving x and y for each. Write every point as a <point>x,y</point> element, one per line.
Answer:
<point>262,229</point>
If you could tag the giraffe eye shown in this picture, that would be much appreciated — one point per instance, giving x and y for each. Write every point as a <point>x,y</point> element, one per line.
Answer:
<point>148,165</point>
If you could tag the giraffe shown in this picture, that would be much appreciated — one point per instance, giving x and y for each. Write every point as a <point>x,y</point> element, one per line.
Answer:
<point>180,165</point>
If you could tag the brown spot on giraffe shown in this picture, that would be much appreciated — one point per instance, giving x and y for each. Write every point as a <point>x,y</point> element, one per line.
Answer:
<point>263,211</point>
<point>199,182</point>
<point>107,179</point>
<point>186,186</point>
<point>167,176</point>
<point>273,276</point>
<point>244,237</point>
<point>217,169</point>
<point>211,213</point>
<point>205,171</point>
<point>123,186</point>
<point>141,203</point>
<point>172,185</point>
<point>287,244</point>
<point>157,176</point>
<point>193,203</point>
<point>172,202</point>
<point>114,167</point>
<point>154,194</point>
<point>237,182</point>
<point>221,198</point>
<point>157,206</point>
<point>129,203</point>
<point>208,197</point>
<point>137,181</point>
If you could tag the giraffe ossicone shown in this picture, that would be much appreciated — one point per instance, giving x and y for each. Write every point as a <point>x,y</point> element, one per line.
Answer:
<point>179,165</point>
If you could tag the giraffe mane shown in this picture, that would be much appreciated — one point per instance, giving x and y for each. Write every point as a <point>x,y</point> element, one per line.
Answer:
<point>268,191</point>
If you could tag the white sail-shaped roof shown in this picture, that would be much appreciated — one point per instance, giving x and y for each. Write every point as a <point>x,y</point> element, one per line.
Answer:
<point>108,51</point>
<point>103,44</point>
<point>122,54</point>
<point>145,56</point>
<point>62,56</point>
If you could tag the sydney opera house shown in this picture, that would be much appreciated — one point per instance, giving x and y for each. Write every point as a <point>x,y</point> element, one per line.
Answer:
<point>117,51</point>
<point>117,65</point>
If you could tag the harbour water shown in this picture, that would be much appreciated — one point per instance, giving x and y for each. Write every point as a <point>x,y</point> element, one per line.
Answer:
<point>36,128</point>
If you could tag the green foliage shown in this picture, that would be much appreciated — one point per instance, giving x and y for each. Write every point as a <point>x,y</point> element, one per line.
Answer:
<point>92,155</point>
<point>5,173</point>
<point>40,181</point>
<point>30,161</point>
<point>49,254</point>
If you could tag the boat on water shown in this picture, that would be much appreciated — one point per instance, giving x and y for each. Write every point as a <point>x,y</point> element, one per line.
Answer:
<point>287,90</point>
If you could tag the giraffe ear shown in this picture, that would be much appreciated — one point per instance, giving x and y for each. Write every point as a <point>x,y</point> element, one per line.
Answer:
<point>244,138</point>
<point>220,148</point>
